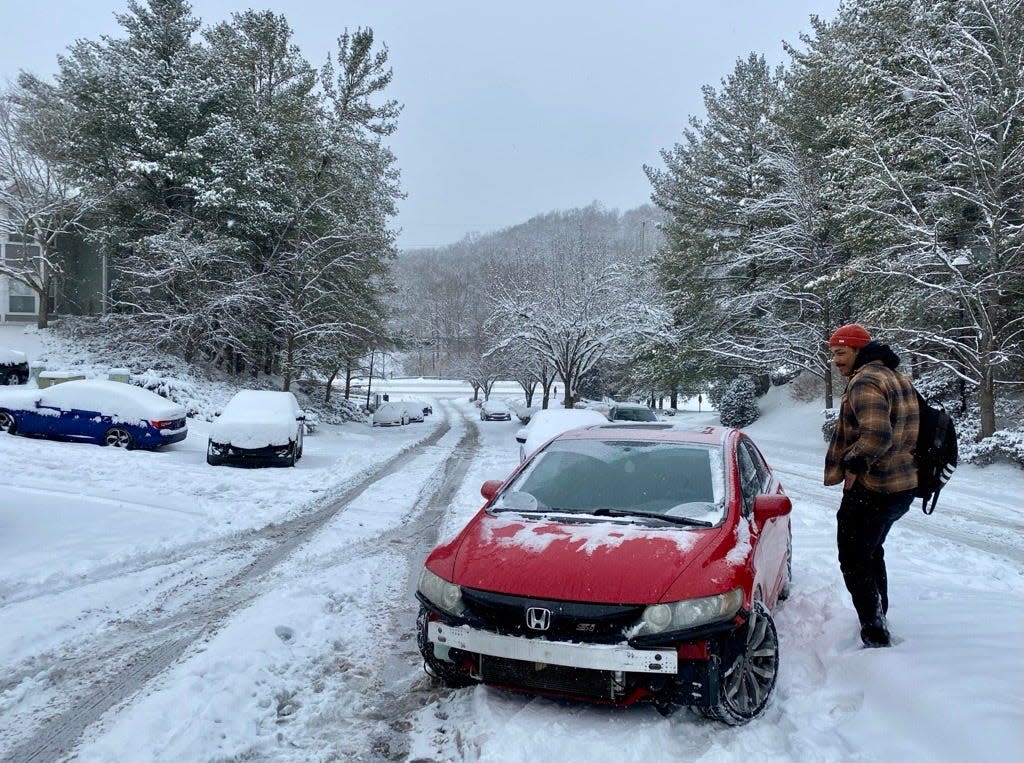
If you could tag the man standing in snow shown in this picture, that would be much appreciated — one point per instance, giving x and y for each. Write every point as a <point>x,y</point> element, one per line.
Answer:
<point>872,455</point>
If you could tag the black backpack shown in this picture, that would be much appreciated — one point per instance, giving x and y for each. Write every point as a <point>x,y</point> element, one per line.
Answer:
<point>936,452</point>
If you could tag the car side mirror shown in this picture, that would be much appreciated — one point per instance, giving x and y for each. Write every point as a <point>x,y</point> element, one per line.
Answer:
<point>521,436</point>
<point>490,489</point>
<point>768,507</point>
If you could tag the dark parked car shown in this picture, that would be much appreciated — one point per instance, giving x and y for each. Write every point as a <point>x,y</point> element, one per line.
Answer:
<point>617,565</point>
<point>631,412</point>
<point>93,410</point>
<point>13,367</point>
<point>258,428</point>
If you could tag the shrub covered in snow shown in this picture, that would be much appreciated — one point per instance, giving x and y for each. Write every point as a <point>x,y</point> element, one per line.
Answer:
<point>738,404</point>
<point>828,426</point>
<point>1004,444</point>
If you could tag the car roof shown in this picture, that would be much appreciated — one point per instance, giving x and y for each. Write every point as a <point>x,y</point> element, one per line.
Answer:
<point>651,432</point>
<point>631,405</point>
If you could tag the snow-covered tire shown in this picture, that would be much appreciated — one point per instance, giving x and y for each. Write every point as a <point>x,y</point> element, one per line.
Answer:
<point>750,667</point>
<point>116,437</point>
<point>446,672</point>
<point>8,423</point>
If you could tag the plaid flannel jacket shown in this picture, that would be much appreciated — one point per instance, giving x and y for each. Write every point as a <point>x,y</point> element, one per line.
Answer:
<point>876,433</point>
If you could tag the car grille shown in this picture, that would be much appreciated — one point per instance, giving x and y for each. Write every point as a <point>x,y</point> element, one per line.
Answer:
<point>597,684</point>
<point>570,621</point>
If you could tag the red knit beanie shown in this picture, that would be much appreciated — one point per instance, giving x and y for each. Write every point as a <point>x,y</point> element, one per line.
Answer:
<point>851,335</point>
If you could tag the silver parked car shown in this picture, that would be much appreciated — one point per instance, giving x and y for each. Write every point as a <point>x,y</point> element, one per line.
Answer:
<point>391,415</point>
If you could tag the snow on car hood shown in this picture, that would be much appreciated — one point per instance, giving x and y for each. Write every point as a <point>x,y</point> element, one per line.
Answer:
<point>11,357</point>
<point>605,561</point>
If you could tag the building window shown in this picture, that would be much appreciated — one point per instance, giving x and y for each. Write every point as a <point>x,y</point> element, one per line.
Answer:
<point>21,299</point>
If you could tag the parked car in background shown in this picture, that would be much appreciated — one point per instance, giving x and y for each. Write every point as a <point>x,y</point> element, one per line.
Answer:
<point>495,410</point>
<point>414,410</point>
<point>13,367</point>
<point>390,415</point>
<point>93,410</point>
<point>619,565</point>
<point>631,412</point>
<point>257,428</point>
<point>546,423</point>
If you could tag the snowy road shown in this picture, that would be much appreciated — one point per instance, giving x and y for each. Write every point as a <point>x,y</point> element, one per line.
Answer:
<point>269,615</point>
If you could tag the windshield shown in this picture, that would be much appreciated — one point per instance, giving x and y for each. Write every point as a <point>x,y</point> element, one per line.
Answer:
<point>669,479</point>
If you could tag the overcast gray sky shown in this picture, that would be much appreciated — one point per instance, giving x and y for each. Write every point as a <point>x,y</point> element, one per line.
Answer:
<point>511,109</point>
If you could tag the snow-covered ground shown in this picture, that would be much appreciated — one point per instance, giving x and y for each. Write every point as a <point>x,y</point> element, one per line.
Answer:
<point>310,657</point>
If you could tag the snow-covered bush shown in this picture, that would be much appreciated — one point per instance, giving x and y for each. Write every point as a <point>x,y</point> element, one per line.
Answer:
<point>831,416</point>
<point>738,405</point>
<point>1003,445</point>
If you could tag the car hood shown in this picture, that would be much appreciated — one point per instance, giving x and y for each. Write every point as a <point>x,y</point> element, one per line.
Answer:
<point>595,561</point>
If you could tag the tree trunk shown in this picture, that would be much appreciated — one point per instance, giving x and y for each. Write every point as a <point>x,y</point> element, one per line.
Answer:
<point>330,384</point>
<point>829,391</point>
<point>44,303</point>
<point>289,357</point>
<point>987,403</point>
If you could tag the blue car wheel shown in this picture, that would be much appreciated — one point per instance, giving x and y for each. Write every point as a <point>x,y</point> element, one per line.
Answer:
<point>118,438</point>
<point>8,423</point>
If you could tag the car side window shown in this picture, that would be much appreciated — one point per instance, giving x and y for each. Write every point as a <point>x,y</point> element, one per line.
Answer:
<point>752,479</point>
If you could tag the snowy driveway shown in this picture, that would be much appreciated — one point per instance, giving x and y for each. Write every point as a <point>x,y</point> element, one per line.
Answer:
<point>228,614</point>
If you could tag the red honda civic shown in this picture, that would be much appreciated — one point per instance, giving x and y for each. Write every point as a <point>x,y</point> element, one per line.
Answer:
<point>619,564</point>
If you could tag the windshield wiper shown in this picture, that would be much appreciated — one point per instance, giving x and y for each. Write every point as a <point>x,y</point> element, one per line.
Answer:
<point>652,515</point>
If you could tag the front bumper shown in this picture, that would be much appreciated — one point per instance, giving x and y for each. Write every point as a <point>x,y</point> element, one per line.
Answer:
<point>611,657</point>
<point>230,454</point>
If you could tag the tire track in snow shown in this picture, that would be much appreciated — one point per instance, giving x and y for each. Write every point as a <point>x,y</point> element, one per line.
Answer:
<point>938,525</point>
<point>399,687</point>
<point>114,667</point>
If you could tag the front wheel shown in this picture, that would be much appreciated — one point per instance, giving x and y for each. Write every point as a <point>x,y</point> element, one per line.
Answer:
<point>750,666</point>
<point>118,438</point>
<point>8,423</point>
<point>446,672</point>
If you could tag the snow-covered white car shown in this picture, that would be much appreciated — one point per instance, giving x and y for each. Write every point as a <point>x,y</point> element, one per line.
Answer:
<point>391,415</point>
<point>545,424</point>
<point>257,428</point>
<point>414,410</point>
<point>495,410</point>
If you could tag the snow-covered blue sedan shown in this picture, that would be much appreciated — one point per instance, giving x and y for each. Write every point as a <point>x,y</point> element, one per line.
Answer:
<point>93,410</point>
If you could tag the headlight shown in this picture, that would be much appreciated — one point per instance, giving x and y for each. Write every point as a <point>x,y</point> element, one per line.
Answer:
<point>689,613</point>
<point>441,593</point>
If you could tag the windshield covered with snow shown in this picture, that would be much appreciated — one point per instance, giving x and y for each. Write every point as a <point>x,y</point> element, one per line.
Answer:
<point>669,480</point>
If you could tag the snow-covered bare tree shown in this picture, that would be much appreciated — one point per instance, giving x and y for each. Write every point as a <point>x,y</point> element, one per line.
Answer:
<point>39,203</point>
<point>574,309</point>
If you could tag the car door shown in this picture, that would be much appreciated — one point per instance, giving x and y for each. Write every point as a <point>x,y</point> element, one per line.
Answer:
<point>75,421</point>
<point>772,540</point>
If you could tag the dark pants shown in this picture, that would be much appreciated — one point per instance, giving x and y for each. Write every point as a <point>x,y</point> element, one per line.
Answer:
<point>863,521</point>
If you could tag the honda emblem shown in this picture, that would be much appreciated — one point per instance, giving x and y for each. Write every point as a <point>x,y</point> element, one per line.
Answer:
<point>538,618</point>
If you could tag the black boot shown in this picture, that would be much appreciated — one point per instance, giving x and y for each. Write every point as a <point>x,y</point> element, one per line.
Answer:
<point>875,633</point>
